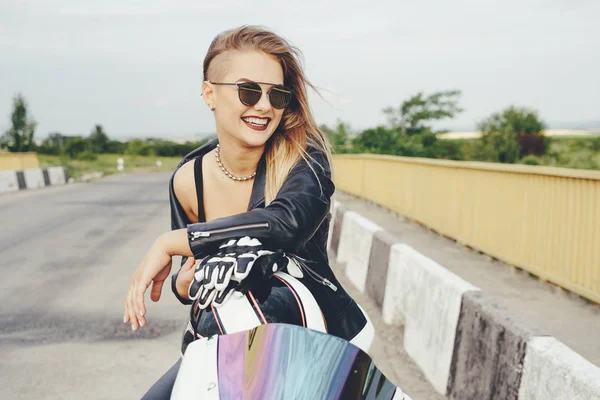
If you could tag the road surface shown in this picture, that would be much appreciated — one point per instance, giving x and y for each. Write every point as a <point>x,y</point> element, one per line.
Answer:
<point>66,257</point>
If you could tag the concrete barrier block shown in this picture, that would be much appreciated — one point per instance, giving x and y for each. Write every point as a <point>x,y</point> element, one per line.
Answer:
<point>336,227</point>
<point>8,181</point>
<point>553,371</point>
<point>355,247</point>
<point>21,180</point>
<point>428,297</point>
<point>46,176</point>
<point>57,175</point>
<point>34,178</point>
<point>378,265</point>
<point>488,351</point>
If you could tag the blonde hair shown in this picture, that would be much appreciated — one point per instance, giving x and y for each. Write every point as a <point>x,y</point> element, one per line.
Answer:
<point>297,130</point>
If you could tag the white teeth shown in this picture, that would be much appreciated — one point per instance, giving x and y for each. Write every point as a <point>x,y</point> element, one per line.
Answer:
<point>256,121</point>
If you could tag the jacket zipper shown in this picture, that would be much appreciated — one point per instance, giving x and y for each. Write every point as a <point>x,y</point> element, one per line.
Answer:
<point>312,274</point>
<point>196,235</point>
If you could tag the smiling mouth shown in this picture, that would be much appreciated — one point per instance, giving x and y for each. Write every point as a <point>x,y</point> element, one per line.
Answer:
<point>258,124</point>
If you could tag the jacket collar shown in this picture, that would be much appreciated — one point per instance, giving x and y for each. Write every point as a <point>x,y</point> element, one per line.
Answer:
<point>258,187</point>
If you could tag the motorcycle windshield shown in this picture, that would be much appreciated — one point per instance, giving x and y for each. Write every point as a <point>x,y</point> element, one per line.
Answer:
<point>279,361</point>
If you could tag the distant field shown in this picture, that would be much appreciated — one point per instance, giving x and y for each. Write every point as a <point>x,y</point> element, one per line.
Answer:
<point>107,164</point>
<point>558,133</point>
<point>573,152</point>
<point>577,152</point>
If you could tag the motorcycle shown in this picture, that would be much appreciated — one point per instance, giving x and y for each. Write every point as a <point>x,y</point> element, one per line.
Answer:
<point>280,361</point>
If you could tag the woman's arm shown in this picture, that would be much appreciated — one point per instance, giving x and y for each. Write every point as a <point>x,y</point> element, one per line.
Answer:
<point>287,223</point>
<point>154,269</point>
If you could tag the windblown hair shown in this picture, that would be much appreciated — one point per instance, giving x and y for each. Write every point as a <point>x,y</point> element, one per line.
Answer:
<point>297,130</point>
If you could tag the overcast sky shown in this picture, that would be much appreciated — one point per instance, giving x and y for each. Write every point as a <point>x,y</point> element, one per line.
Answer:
<point>136,66</point>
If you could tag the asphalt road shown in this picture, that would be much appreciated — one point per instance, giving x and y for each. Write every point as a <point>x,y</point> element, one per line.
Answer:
<point>66,257</point>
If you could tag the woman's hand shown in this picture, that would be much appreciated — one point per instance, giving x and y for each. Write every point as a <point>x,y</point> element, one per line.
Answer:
<point>185,277</point>
<point>239,265</point>
<point>154,268</point>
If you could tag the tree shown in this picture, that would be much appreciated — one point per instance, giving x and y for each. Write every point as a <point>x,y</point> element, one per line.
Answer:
<point>511,134</point>
<point>116,147</point>
<point>338,136</point>
<point>53,144</point>
<point>76,146</point>
<point>98,140</point>
<point>378,140</point>
<point>410,133</point>
<point>411,117</point>
<point>55,139</point>
<point>137,147</point>
<point>20,136</point>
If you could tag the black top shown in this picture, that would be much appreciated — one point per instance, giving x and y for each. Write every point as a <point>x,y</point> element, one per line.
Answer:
<point>296,221</point>
<point>199,187</point>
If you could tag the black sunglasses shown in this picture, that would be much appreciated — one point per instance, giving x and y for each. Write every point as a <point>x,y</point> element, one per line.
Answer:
<point>250,93</point>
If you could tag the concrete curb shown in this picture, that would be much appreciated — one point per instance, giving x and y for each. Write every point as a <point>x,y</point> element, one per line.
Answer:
<point>354,249</point>
<point>428,297</point>
<point>489,351</point>
<point>466,345</point>
<point>33,178</point>
<point>378,265</point>
<point>8,181</point>
<point>552,370</point>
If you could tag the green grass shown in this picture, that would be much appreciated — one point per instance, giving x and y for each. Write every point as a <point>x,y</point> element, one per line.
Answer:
<point>107,164</point>
<point>572,152</point>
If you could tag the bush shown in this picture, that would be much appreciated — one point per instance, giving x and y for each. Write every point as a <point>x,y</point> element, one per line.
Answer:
<point>116,147</point>
<point>448,149</point>
<point>498,146</point>
<point>534,144</point>
<point>574,152</point>
<point>594,144</point>
<point>76,146</point>
<point>86,155</point>
<point>510,135</point>
<point>378,141</point>
<point>532,160</point>
<point>138,147</point>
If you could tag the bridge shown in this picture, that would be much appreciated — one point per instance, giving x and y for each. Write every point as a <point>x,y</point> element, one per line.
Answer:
<point>482,280</point>
<point>493,271</point>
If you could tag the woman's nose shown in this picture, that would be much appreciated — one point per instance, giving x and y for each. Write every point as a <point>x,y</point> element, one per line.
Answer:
<point>264,104</point>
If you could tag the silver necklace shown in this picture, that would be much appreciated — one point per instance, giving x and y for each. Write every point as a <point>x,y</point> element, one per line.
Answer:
<point>235,178</point>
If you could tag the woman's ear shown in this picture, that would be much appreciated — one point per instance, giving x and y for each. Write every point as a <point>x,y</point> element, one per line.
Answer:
<point>209,95</point>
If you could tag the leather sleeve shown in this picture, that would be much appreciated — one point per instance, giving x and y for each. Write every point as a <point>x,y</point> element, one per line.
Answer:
<point>287,223</point>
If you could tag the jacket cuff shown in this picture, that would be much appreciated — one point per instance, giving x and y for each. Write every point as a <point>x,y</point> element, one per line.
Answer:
<point>195,240</point>
<point>205,237</point>
<point>174,289</point>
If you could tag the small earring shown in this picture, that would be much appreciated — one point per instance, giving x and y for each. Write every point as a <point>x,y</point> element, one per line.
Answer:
<point>212,108</point>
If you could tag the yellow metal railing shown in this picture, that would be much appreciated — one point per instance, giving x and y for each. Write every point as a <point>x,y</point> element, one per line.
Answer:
<point>544,220</point>
<point>18,161</point>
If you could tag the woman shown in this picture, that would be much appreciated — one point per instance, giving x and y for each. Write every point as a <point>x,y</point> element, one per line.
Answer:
<point>267,177</point>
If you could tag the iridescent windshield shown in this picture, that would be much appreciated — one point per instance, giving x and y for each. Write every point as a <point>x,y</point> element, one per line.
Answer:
<point>279,361</point>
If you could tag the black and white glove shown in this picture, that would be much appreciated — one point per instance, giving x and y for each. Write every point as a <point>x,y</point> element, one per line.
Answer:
<point>217,276</point>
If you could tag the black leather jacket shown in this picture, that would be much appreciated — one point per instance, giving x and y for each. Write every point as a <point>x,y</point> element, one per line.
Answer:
<point>296,221</point>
